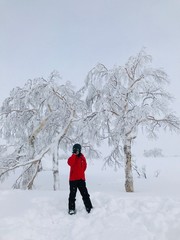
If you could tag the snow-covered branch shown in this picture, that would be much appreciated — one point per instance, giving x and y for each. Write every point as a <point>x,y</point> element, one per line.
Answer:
<point>30,162</point>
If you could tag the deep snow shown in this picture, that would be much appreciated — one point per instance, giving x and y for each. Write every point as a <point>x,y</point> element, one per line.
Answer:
<point>151,212</point>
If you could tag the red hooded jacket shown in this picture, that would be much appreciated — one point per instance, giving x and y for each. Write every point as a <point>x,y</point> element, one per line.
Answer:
<point>78,166</point>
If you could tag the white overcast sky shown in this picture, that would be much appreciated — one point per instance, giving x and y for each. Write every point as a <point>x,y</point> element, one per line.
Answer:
<point>71,36</point>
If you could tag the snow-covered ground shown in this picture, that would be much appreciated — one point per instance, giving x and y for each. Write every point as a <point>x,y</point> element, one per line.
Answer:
<point>152,212</point>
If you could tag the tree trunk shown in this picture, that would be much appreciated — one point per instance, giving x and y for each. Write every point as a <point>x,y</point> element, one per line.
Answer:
<point>55,153</point>
<point>128,167</point>
<point>29,171</point>
<point>37,167</point>
<point>56,185</point>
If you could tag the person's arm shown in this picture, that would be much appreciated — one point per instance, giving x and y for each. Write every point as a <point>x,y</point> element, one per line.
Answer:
<point>71,160</point>
<point>84,163</point>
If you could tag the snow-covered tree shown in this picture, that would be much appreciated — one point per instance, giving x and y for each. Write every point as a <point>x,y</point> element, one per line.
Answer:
<point>42,117</point>
<point>156,152</point>
<point>126,99</point>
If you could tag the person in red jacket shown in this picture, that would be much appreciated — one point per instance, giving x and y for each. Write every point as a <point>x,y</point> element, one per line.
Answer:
<point>78,165</point>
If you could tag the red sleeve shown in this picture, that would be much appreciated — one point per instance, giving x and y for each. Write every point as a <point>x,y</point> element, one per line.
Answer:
<point>84,163</point>
<point>71,160</point>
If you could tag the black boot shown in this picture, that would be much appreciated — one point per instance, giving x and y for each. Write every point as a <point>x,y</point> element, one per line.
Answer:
<point>71,212</point>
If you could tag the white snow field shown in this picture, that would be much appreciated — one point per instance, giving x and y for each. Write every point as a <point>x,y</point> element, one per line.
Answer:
<point>152,212</point>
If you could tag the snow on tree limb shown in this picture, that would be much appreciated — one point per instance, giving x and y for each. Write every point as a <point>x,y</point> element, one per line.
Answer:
<point>131,97</point>
<point>113,106</point>
<point>42,117</point>
<point>30,162</point>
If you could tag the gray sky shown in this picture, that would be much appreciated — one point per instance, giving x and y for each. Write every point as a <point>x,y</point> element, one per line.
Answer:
<point>71,36</point>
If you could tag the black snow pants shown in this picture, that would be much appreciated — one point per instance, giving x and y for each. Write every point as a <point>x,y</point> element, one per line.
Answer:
<point>81,186</point>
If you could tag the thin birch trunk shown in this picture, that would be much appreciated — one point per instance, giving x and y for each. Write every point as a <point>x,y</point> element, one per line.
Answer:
<point>56,185</point>
<point>128,167</point>
<point>59,138</point>
<point>27,176</point>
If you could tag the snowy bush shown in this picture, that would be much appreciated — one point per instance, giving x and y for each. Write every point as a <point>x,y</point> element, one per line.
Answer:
<point>156,152</point>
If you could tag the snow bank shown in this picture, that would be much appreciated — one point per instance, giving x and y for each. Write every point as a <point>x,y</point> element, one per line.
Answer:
<point>150,213</point>
<point>43,215</point>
